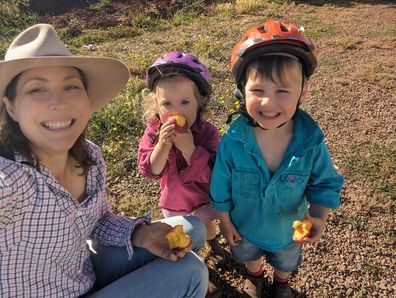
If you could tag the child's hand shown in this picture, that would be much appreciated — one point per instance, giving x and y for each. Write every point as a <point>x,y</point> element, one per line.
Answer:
<point>166,132</point>
<point>318,225</point>
<point>185,143</point>
<point>229,232</point>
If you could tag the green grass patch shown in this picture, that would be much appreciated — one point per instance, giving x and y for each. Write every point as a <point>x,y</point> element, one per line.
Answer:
<point>142,20</point>
<point>14,18</point>
<point>374,270</point>
<point>319,30</point>
<point>118,127</point>
<point>101,4</point>
<point>79,39</point>
<point>378,71</point>
<point>330,65</point>
<point>375,163</point>
<point>385,32</point>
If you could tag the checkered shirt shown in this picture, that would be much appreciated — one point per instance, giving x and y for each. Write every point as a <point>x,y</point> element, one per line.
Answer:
<point>44,230</point>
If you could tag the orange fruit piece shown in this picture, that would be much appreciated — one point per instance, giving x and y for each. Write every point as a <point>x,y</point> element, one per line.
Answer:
<point>302,229</point>
<point>177,239</point>
<point>180,120</point>
<point>181,125</point>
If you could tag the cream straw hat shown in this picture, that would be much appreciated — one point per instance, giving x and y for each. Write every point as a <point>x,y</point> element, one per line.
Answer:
<point>39,46</point>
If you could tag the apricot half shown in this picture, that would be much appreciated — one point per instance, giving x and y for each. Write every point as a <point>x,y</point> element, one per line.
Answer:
<point>302,229</point>
<point>177,239</point>
<point>181,124</point>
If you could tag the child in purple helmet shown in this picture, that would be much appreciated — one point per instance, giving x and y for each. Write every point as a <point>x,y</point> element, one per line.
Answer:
<point>180,83</point>
<point>53,195</point>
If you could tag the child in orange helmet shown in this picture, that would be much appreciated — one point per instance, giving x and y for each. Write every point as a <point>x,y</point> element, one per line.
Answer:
<point>272,162</point>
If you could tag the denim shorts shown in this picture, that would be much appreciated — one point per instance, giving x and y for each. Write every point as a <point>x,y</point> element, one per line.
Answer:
<point>286,260</point>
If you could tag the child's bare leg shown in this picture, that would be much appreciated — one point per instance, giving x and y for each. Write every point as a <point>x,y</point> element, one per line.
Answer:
<point>281,276</point>
<point>254,267</point>
<point>214,289</point>
<point>211,229</point>
<point>254,283</point>
<point>217,250</point>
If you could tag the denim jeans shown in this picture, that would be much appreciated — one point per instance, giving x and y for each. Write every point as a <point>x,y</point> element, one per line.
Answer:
<point>148,276</point>
<point>286,260</point>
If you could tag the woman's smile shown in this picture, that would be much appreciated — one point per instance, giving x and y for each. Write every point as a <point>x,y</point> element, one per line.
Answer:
<point>57,125</point>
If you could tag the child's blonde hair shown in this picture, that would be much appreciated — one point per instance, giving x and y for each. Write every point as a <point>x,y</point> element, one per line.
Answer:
<point>150,99</point>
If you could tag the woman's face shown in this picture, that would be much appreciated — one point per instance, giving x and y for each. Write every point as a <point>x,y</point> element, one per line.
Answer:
<point>51,107</point>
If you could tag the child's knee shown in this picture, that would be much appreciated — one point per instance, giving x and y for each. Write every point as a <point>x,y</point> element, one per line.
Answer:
<point>286,260</point>
<point>196,229</point>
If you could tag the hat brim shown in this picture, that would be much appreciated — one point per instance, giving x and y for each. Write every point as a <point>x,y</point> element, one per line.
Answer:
<point>106,77</point>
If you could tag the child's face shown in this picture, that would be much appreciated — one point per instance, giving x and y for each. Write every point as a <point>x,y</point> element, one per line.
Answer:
<point>270,103</point>
<point>52,108</point>
<point>176,94</point>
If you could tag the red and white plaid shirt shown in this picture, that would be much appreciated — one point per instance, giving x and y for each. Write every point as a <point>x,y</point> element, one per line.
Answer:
<point>44,230</point>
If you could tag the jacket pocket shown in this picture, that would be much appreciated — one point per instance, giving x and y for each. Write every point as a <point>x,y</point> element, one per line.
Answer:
<point>290,191</point>
<point>246,184</point>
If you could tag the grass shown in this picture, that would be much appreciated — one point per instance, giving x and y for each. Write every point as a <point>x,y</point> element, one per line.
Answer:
<point>14,17</point>
<point>375,163</point>
<point>373,270</point>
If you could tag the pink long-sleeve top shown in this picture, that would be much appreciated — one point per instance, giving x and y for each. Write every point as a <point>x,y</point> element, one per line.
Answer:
<point>183,187</point>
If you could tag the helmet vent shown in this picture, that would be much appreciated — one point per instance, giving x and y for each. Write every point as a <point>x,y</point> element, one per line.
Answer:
<point>262,29</point>
<point>284,29</point>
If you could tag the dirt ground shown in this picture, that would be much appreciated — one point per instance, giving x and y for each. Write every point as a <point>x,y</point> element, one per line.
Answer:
<point>357,110</point>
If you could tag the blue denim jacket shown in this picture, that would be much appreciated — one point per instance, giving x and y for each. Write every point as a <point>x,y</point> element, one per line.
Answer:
<point>262,207</point>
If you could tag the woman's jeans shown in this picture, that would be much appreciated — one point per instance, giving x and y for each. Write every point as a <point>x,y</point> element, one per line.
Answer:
<point>148,276</point>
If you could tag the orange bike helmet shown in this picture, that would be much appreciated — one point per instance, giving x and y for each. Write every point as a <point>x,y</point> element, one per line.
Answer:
<point>272,37</point>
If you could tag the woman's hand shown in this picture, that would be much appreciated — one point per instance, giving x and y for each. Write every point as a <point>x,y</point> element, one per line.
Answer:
<point>152,237</point>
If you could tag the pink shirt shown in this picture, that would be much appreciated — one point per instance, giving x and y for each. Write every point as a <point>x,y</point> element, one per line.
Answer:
<point>183,187</point>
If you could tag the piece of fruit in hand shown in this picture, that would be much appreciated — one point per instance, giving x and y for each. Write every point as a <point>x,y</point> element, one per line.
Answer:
<point>181,124</point>
<point>177,239</point>
<point>302,229</point>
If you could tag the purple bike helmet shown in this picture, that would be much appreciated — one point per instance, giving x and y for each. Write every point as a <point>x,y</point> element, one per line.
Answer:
<point>179,62</point>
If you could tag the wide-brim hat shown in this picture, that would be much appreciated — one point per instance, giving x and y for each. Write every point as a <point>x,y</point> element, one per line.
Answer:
<point>39,46</point>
